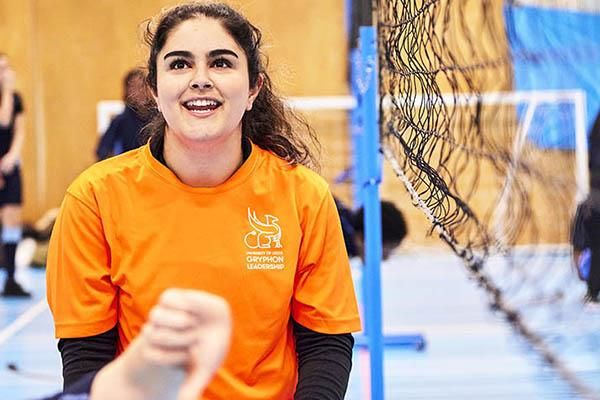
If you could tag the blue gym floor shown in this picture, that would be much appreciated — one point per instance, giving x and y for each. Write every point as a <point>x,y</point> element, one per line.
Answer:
<point>470,352</point>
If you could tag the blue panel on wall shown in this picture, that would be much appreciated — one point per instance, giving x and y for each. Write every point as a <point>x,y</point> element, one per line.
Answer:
<point>555,49</point>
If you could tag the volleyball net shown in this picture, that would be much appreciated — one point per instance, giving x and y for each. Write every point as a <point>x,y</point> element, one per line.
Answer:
<point>497,172</point>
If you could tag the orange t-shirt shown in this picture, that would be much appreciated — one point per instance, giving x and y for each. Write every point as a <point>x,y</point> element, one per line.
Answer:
<point>268,240</point>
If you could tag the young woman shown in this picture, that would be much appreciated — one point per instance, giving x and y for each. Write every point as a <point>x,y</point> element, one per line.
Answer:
<point>220,201</point>
<point>12,134</point>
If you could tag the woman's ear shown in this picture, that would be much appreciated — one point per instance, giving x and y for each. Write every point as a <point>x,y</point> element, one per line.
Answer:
<point>155,98</point>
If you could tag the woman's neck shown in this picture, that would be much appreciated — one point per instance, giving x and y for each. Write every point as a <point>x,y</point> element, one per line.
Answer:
<point>206,164</point>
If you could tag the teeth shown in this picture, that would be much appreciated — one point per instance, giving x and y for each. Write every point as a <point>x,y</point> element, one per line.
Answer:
<point>202,103</point>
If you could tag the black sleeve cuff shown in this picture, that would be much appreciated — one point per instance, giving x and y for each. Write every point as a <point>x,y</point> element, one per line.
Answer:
<point>324,364</point>
<point>82,356</point>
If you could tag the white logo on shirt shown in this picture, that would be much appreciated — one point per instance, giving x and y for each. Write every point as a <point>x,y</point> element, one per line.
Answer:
<point>264,235</point>
<point>262,239</point>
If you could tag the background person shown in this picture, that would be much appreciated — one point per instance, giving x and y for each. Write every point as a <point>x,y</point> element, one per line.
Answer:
<point>12,135</point>
<point>125,130</point>
<point>393,229</point>
<point>586,237</point>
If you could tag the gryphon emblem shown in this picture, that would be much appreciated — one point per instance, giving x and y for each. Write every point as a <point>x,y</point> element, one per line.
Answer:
<point>264,235</point>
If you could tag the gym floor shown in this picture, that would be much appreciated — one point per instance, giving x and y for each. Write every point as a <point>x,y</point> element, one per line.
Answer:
<point>470,352</point>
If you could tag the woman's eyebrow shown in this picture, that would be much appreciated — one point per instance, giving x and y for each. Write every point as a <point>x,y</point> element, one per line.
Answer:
<point>220,52</point>
<point>211,54</point>
<point>179,53</point>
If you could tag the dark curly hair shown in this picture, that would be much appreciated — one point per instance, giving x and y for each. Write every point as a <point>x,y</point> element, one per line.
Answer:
<point>271,124</point>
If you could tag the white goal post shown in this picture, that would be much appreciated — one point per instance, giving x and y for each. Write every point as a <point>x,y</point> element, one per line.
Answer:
<point>107,109</point>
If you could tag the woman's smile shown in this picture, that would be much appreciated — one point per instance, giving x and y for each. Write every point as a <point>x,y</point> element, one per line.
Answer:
<point>202,107</point>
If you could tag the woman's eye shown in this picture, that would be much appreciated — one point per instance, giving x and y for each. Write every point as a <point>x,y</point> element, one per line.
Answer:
<point>222,63</point>
<point>178,64</point>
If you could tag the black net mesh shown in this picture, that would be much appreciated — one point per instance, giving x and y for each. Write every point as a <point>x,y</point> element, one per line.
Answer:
<point>475,162</point>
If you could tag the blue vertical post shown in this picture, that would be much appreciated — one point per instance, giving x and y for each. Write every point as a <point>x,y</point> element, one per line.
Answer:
<point>368,92</point>
<point>356,129</point>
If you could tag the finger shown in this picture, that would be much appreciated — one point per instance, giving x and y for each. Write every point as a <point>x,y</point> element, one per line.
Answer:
<point>158,356</point>
<point>169,339</point>
<point>165,316</point>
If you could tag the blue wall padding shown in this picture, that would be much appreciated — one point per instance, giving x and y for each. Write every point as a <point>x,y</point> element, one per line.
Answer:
<point>555,49</point>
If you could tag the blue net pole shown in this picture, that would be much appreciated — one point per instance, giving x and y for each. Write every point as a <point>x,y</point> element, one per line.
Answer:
<point>356,130</point>
<point>369,151</point>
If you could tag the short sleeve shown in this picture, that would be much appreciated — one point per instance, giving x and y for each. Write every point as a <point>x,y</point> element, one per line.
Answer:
<point>80,292</point>
<point>324,299</point>
<point>579,235</point>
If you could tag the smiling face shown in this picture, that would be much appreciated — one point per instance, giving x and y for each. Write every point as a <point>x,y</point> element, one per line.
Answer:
<point>202,84</point>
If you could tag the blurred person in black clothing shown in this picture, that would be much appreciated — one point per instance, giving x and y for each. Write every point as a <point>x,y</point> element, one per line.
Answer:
<point>12,135</point>
<point>393,228</point>
<point>586,235</point>
<point>124,131</point>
